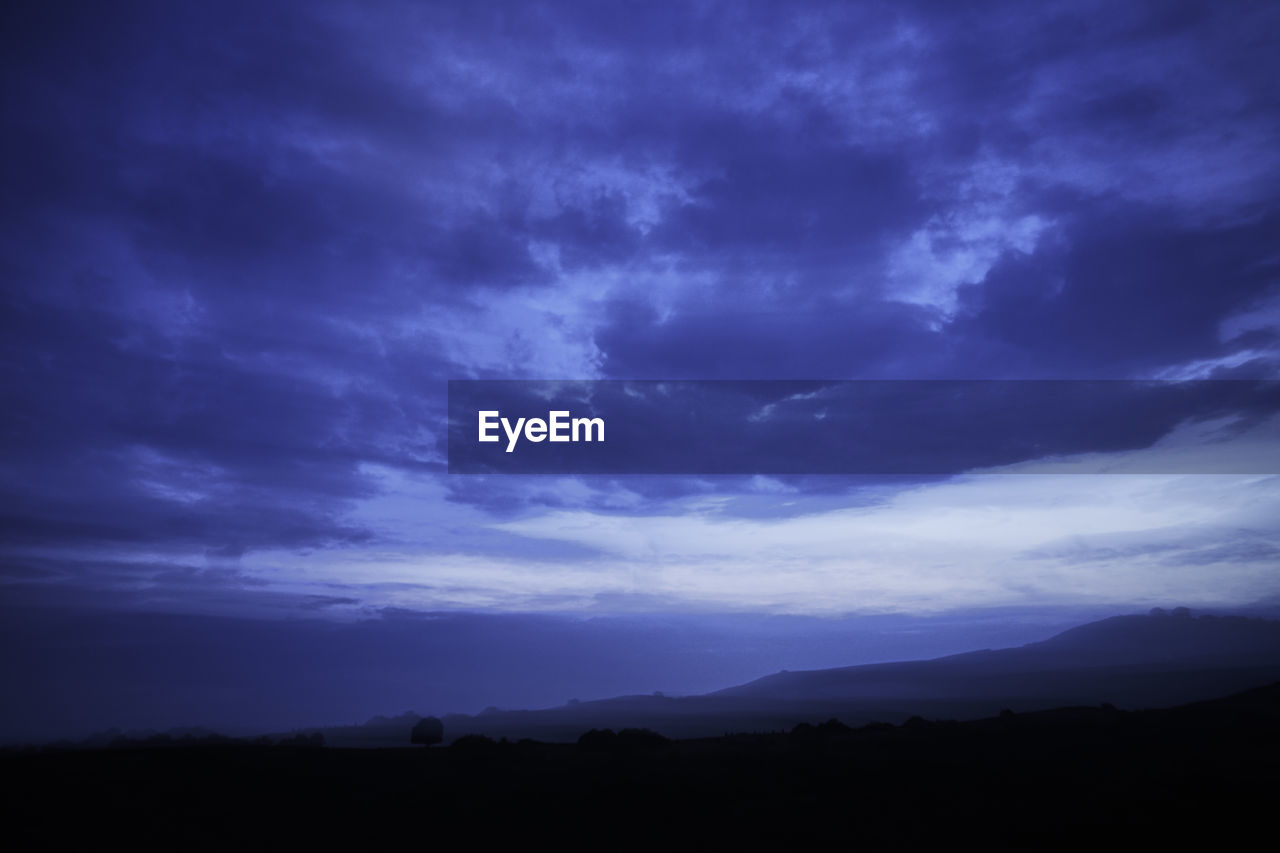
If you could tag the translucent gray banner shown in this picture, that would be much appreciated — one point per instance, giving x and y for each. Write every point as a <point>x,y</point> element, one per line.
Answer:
<point>904,427</point>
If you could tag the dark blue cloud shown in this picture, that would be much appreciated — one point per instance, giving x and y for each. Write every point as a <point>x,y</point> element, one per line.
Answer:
<point>244,248</point>
<point>1125,292</point>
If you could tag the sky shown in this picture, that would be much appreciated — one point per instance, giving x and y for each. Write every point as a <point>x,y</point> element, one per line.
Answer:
<point>245,246</point>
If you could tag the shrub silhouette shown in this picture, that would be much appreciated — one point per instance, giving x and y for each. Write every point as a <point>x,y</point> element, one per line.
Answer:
<point>474,746</point>
<point>640,739</point>
<point>427,731</point>
<point>627,740</point>
<point>808,733</point>
<point>598,740</point>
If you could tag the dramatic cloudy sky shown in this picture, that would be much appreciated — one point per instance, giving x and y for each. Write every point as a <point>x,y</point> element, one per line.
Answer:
<point>245,245</point>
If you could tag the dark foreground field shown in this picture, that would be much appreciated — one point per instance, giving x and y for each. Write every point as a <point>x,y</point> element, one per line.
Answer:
<point>1082,778</point>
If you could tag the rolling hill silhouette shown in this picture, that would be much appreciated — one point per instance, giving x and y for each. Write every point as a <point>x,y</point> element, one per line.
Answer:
<point>1199,775</point>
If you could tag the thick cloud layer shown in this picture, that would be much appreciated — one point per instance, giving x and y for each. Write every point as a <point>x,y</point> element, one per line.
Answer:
<point>244,249</point>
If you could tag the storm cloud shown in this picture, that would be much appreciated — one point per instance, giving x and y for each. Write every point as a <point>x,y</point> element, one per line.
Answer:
<point>244,248</point>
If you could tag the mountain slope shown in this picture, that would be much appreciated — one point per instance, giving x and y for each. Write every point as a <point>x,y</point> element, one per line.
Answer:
<point>1101,654</point>
<point>1157,660</point>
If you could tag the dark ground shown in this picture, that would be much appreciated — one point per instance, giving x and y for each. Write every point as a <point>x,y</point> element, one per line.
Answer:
<point>1204,774</point>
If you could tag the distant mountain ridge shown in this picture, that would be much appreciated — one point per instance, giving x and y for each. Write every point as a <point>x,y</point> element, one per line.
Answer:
<point>1175,636</point>
<point>1157,660</point>
<point>1134,644</point>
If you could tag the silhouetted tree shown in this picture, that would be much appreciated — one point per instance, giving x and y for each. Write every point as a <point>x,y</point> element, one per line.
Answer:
<point>474,745</point>
<point>315,740</point>
<point>833,727</point>
<point>627,740</point>
<point>640,740</point>
<point>598,740</point>
<point>916,723</point>
<point>806,733</point>
<point>427,731</point>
